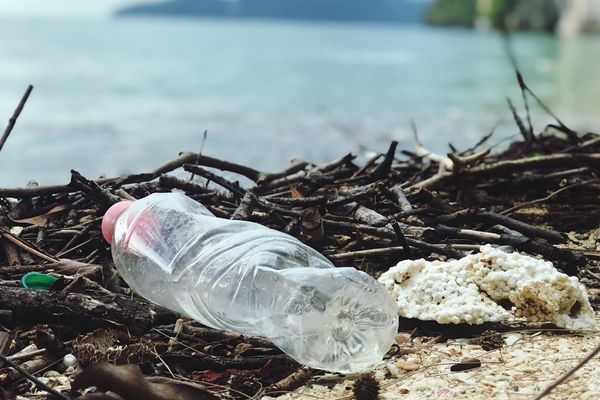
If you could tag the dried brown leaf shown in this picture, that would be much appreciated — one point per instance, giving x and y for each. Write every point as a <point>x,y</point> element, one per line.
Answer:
<point>72,267</point>
<point>38,220</point>
<point>296,194</point>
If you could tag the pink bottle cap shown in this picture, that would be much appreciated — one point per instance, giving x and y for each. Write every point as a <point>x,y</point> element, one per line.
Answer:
<point>110,218</point>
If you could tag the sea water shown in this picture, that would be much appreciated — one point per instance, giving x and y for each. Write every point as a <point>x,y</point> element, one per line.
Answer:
<point>119,96</point>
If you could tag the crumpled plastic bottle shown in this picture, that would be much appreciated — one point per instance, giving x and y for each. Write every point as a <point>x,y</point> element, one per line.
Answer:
<point>243,277</point>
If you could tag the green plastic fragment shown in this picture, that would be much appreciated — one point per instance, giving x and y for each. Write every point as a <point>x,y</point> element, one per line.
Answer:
<point>37,281</point>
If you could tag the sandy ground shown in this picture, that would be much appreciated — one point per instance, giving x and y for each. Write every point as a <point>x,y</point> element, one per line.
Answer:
<point>529,362</point>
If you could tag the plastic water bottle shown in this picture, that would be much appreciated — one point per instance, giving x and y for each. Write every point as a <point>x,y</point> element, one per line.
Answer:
<point>247,278</point>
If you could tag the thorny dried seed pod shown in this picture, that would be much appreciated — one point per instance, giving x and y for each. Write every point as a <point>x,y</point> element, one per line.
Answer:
<point>366,387</point>
<point>490,340</point>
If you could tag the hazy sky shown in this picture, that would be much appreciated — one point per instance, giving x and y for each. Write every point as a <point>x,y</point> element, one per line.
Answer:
<point>62,8</point>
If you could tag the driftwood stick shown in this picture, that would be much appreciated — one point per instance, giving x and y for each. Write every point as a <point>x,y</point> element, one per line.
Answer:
<point>265,204</point>
<point>233,187</point>
<point>377,252</point>
<point>214,335</point>
<point>357,190</point>
<point>211,162</point>
<point>330,166</point>
<point>534,179</point>
<point>124,195</point>
<point>383,231</point>
<point>508,222</point>
<point>530,230</point>
<point>401,238</point>
<point>119,312</point>
<point>367,165</point>
<point>525,89</point>
<point>171,182</point>
<point>244,210</point>
<point>39,384</point>
<point>184,158</point>
<point>351,198</point>
<point>521,164</point>
<point>194,159</point>
<point>33,191</point>
<point>12,121</point>
<point>553,160</point>
<point>432,181</point>
<point>435,248</point>
<point>526,133</point>
<point>298,202</point>
<point>548,197</point>
<point>311,223</point>
<point>79,246</point>
<point>578,146</point>
<point>92,189</point>
<point>566,376</point>
<point>23,269</point>
<point>307,172</point>
<point>461,162</point>
<point>401,199</point>
<point>282,182</point>
<point>368,216</point>
<point>201,361</point>
<point>65,267</point>
<point>76,237</point>
<point>468,234</point>
<point>523,243</point>
<point>388,233</point>
<point>384,168</point>
<point>28,247</point>
<point>481,141</point>
<point>297,166</point>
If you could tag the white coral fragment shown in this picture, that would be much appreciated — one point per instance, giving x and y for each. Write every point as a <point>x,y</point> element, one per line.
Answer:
<point>489,286</point>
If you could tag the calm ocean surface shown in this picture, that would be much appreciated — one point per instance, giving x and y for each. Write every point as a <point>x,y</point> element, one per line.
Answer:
<point>120,96</point>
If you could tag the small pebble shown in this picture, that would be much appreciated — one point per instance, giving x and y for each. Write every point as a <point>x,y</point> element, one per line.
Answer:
<point>466,364</point>
<point>511,339</point>
<point>407,365</point>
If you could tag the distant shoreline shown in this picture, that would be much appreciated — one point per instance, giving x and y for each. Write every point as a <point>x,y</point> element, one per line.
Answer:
<point>376,11</point>
<point>141,17</point>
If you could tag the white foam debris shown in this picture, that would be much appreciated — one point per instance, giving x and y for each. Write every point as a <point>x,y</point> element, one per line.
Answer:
<point>489,286</point>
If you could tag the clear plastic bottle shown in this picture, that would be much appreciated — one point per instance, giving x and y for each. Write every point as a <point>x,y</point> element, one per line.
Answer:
<point>247,278</point>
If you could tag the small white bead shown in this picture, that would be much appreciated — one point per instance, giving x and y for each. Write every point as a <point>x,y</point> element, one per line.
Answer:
<point>70,360</point>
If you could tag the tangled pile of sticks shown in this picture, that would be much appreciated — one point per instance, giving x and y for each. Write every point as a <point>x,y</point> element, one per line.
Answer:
<point>540,196</point>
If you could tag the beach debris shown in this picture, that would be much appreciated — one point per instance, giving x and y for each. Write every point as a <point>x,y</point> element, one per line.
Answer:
<point>489,286</point>
<point>37,281</point>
